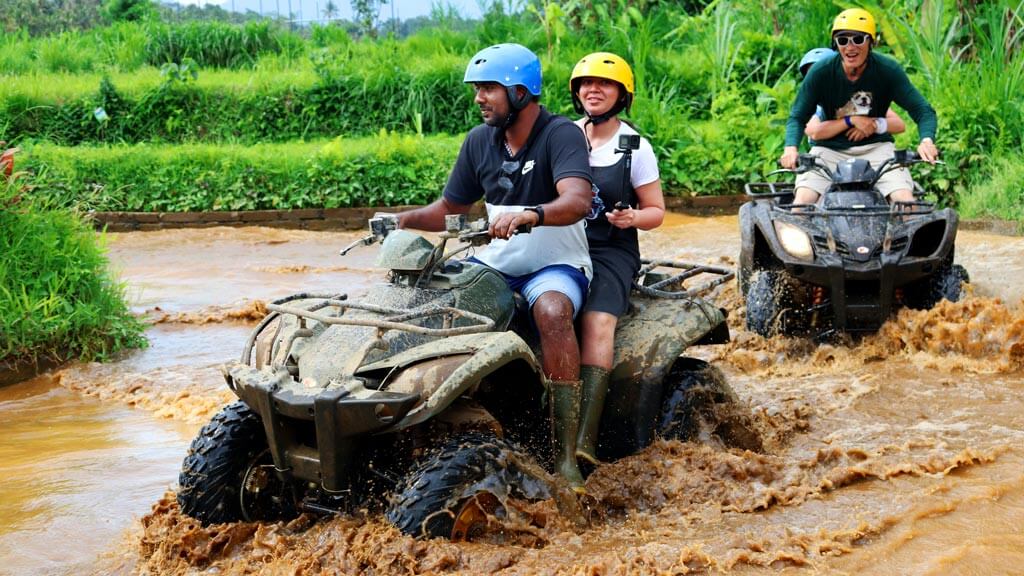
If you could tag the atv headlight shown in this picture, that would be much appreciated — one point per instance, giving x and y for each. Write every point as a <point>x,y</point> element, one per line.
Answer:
<point>794,240</point>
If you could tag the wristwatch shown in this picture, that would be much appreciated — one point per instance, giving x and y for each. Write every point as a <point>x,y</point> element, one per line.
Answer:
<point>540,213</point>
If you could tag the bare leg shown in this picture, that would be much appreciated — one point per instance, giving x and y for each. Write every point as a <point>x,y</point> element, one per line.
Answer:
<point>561,353</point>
<point>903,195</point>
<point>598,339</point>
<point>805,196</point>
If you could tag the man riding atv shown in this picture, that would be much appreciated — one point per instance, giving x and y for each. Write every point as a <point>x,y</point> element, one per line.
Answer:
<point>531,168</point>
<point>855,88</point>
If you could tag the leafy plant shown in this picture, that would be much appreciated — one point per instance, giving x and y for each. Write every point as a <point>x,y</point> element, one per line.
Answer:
<point>57,297</point>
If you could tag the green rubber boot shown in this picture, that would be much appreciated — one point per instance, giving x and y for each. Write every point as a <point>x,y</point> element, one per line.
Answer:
<point>595,387</point>
<point>565,421</point>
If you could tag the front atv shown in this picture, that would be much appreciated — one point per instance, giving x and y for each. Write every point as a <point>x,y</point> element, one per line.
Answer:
<point>420,395</point>
<point>845,264</point>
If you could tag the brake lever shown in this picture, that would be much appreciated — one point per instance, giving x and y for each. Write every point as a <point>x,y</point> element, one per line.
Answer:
<point>361,242</point>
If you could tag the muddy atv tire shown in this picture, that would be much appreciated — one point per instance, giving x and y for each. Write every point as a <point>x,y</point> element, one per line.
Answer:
<point>699,403</point>
<point>764,302</point>
<point>450,493</point>
<point>945,284</point>
<point>228,474</point>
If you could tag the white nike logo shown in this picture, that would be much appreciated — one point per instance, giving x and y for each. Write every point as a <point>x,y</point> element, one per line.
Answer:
<point>527,167</point>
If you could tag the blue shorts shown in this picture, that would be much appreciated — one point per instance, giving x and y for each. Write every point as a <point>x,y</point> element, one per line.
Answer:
<point>560,278</point>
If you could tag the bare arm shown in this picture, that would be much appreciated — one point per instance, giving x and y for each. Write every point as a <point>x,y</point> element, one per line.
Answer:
<point>650,214</point>
<point>571,206</point>
<point>431,216</point>
<point>895,123</point>
<point>819,130</point>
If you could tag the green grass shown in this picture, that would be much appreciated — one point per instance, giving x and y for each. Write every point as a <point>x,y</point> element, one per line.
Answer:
<point>58,299</point>
<point>1000,196</point>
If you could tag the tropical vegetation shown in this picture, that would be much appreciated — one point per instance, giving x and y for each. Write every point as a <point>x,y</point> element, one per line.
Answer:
<point>715,81</point>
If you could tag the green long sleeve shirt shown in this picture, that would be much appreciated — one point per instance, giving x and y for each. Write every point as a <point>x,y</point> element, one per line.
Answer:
<point>882,83</point>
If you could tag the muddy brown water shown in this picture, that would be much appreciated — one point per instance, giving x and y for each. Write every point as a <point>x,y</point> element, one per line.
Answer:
<point>902,454</point>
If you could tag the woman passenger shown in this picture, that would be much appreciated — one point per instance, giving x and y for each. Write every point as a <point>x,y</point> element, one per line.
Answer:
<point>602,88</point>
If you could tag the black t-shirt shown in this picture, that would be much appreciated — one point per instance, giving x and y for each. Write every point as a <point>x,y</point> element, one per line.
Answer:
<point>555,149</point>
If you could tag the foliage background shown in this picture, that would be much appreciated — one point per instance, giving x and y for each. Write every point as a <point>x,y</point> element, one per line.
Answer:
<point>715,81</point>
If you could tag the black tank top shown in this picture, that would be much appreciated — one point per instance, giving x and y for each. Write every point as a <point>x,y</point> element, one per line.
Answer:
<point>609,181</point>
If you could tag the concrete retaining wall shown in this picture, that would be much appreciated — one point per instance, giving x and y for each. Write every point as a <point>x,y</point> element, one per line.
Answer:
<point>335,218</point>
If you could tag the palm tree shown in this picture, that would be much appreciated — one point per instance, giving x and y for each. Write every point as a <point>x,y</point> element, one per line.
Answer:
<point>330,10</point>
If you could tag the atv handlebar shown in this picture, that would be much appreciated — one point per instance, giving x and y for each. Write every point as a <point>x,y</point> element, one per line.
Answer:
<point>805,163</point>
<point>900,159</point>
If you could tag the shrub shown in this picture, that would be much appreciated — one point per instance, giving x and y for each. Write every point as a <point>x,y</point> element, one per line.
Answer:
<point>57,297</point>
<point>385,170</point>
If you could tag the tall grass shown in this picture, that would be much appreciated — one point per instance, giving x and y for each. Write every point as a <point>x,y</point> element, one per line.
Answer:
<point>1000,195</point>
<point>57,297</point>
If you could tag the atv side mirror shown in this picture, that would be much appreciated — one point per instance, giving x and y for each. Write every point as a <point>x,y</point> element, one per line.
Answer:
<point>381,224</point>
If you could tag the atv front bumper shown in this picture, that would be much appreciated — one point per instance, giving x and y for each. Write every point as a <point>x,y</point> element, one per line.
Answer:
<point>312,436</point>
<point>862,294</point>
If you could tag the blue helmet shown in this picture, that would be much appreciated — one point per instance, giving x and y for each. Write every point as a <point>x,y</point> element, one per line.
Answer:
<point>813,56</point>
<point>510,65</point>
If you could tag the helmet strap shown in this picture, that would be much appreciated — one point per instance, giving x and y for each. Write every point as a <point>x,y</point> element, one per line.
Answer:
<point>515,104</point>
<point>602,118</point>
<point>619,106</point>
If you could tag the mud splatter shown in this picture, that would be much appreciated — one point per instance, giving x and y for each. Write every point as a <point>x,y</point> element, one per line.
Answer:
<point>301,269</point>
<point>191,395</point>
<point>978,335</point>
<point>251,311</point>
<point>635,504</point>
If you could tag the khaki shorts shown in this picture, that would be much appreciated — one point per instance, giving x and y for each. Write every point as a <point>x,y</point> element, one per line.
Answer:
<point>876,154</point>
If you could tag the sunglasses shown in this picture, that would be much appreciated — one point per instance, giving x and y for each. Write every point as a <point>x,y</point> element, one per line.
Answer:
<point>857,39</point>
<point>508,168</point>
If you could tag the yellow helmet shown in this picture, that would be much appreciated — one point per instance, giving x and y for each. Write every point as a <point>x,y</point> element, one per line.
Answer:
<point>857,20</point>
<point>603,65</point>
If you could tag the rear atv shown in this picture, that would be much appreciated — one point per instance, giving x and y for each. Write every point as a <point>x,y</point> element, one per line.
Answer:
<point>419,398</point>
<point>845,264</point>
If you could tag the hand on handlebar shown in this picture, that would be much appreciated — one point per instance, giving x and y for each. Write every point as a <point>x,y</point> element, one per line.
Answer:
<point>511,223</point>
<point>789,157</point>
<point>928,151</point>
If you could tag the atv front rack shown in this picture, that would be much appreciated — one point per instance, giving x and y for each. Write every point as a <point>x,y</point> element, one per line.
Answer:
<point>656,285</point>
<point>758,190</point>
<point>896,210</point>
<point>394,318</point>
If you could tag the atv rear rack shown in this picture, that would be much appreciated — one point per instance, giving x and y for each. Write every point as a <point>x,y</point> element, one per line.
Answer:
<point>656,289</point>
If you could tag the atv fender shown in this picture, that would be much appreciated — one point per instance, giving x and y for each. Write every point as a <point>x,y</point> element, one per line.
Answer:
<point>648,341</point>
<point>442,371</point>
